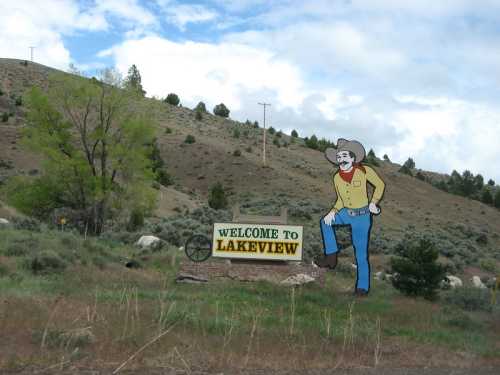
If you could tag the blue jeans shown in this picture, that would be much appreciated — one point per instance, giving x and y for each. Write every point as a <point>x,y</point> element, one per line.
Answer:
<point>360,236</point>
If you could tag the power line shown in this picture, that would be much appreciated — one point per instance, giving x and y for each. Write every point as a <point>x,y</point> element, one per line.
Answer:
<point>264,138</point>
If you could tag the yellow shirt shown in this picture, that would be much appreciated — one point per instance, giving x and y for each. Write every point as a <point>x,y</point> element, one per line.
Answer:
<point>354,194</point>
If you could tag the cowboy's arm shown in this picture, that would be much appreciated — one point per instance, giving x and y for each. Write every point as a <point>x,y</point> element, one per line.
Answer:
<point>339,204</point>
<point>329,218</point>
<point>374,179</point>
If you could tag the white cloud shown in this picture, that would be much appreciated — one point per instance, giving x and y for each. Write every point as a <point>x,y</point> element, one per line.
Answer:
<point>213,73</point>
<point>43,23</point>
<point>182,14</point>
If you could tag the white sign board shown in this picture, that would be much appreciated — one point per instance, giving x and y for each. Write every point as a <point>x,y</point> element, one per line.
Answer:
<point>257,241</point>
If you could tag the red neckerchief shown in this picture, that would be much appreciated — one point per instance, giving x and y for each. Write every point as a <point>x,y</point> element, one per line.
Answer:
<point>347,176</point>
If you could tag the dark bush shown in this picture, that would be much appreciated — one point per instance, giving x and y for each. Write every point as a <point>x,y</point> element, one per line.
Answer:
<point>415,267</point>
<point>5,117</point>
<point>47,262</point>
<point>236,133</point>
<point>294,133</point>
<point>190,139</point>
<point>172,99</point>
<point>312,142</point>
<point>486,197</point>
<point>271,130</point>
<point>407,167</point>
<point>236,153</point>
<point>469,298</point>
<point>221,110</point>
<point>136,220</point>
<point>217,197</point>
<point>200,107</point>
<point>168,130</point>
<point>19,101</point>
<point>198,115</point>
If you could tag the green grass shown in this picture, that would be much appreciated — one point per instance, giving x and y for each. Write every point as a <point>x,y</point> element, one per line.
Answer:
<point>218,309</point>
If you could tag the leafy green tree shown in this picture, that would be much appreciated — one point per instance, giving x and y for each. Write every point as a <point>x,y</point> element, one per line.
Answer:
<point>271,130</point>
<point>221,110</point>
<point>190,139</point>
<point>386,158</point>
<point>93,139</point>
<point>415,269</point>
<point>133,81</point>
<point>294,133</point>
<point>468,186</point>
<point>371,158</point>
<point>491,182</point>
<point>198,115</point>
<point>172,99</point>
<point>217,197</point>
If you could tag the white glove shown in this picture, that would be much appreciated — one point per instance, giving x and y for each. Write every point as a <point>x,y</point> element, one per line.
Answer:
<point>373,208</point>
<point>329,218</point>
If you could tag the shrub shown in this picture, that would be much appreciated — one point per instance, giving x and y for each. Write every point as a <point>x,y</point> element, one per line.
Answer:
<point>420,176</point>
<point>190,139</point>
<point>271,130</point>
<point>236,133</point>
<point>488,265</point>
<point>5,117</point>
<point>47,262</point>
<point>276,142</point>
<point>1,92</point>
<point>256,124</point>
<point>469,298</point>
<point>407,167</point>
<point>371,158</point>
<point>200,107</point>
<point>415,268</point>
<point>248,149</point>
<point>295,134</point>
<point>163,177</point>
<point>19,101</point>
<point>236,153</point>
<point>198,115</point>
<point>172,99</point>
<point>221,110</point>
<point>311,142</point>
<point>496,201</point>
<point>136,220</point>
<point>279,134</point>
<point>217,197</point>
<point>386,158</point>
<point>168,130</point>
<point>486,197</point>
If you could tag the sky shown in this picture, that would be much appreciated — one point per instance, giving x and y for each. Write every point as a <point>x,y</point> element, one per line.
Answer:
<point>413,78</point>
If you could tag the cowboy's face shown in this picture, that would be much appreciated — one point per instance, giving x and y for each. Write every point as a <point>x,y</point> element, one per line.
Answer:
<point>345,160</point>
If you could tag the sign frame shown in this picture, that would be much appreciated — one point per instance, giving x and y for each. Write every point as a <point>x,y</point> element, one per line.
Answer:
<point>244,255</point>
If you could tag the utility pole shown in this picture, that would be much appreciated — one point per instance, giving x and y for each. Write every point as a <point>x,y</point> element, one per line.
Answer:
<point>31,53</point>
<point>264,138</point>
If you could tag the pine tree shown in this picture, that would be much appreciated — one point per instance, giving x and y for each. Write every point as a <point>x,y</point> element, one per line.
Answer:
<point>415,269</point>
<point>133,80</point>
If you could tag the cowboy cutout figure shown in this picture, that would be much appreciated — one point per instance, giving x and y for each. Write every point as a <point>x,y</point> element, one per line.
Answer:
<point>352,208</point>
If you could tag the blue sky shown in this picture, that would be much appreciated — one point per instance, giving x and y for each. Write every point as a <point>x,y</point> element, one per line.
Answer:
<point>415,78</point>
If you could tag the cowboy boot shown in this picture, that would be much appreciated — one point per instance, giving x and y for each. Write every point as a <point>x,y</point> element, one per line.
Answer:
<point>328,261</point>
<point>360,292</point>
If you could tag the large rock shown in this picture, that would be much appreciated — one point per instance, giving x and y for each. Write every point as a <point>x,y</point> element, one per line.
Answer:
<point>476,281</point>
<point>4,221</point>
<point>149,242</point>
<point>453,282</point>
<point>299,279</point>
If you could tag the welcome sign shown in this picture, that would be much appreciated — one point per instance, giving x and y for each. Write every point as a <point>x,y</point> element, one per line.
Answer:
<point>257,241</point>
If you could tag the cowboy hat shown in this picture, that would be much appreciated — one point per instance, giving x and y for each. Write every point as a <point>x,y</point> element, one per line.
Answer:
<point>344,145</point>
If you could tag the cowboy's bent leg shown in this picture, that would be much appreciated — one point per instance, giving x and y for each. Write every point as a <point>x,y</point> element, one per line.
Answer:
<point>329,239</point>
<point>361,226</point>
<point>328,233</point>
